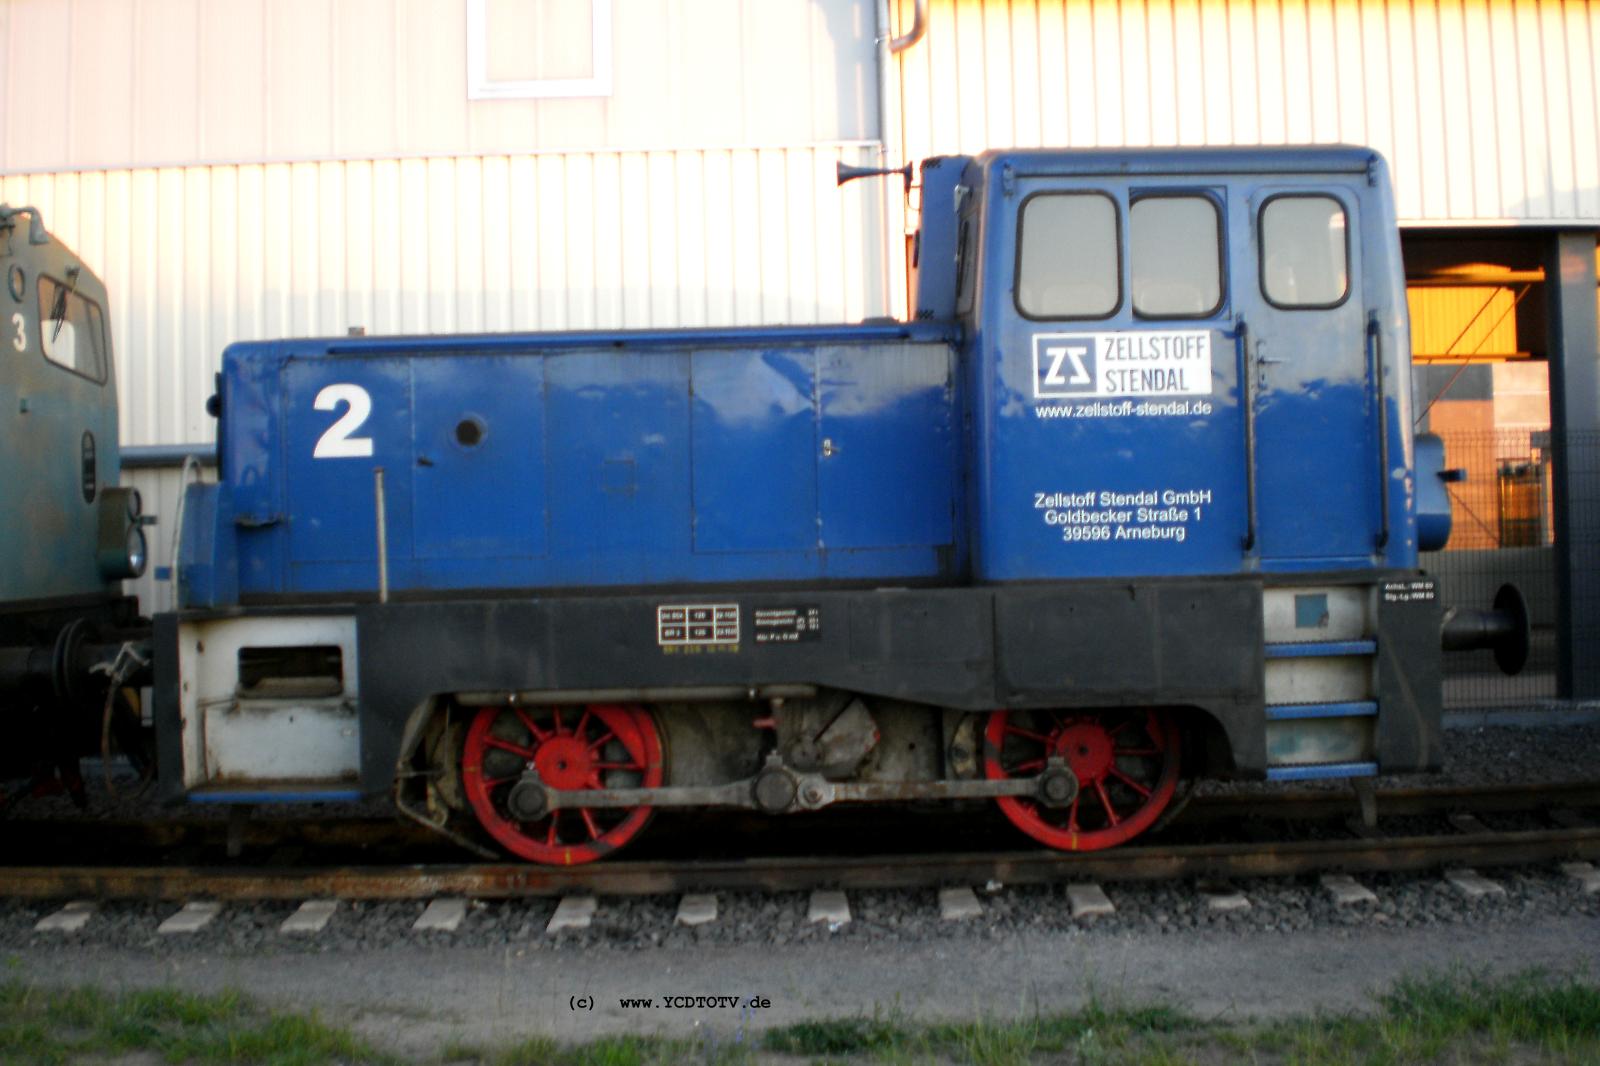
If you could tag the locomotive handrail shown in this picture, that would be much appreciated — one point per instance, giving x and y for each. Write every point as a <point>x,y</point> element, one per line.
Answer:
<point>1247,406</point>
<point>825,333</point>
<point>1375,362</point>
<point>164,456</point>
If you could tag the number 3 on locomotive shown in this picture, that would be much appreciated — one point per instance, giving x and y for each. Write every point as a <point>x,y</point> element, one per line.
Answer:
<point>338,442</point>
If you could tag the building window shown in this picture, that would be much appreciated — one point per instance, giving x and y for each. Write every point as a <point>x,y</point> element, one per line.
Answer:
<point>1175,253</point>
<point>527,49</point>
<point>71,330</point>
<point>1305,252</point>
<point>1067,259</point>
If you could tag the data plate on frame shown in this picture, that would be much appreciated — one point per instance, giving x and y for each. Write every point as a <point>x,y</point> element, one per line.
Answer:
<point>697,624</point>
<point>786,625</point>
<point>1408,591</point>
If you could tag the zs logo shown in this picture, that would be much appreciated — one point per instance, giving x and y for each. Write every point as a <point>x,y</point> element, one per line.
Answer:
<point>1063,365</point>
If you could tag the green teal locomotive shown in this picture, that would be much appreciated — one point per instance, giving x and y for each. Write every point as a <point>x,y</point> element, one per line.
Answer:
<point>71,533</point>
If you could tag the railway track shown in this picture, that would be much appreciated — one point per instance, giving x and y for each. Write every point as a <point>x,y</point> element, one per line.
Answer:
<point>1569,830</point>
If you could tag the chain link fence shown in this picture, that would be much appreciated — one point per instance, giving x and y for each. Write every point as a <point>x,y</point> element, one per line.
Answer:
<point>1503,530</point>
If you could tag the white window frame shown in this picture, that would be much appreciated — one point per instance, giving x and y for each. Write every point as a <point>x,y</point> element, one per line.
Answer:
<point>481,87</point>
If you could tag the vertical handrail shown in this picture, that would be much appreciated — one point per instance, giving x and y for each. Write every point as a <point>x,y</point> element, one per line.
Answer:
<point>380,504</point>
<point>1247,404</point>
<point>1375,365</point>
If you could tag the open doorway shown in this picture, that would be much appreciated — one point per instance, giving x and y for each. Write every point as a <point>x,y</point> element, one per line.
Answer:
<point>1481,381</point>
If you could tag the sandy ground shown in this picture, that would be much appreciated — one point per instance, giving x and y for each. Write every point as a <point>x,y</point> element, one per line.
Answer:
<point>418,999</point>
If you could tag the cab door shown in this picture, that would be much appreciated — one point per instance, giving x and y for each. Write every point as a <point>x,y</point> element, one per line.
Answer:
<point>1316,476</point>
<point>1112,440</point>
<point>60,427</point>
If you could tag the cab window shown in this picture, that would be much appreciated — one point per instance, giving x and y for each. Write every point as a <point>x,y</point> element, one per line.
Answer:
<point>71,330</point>
<point>1068,261</point>
<point>1305,253</point>
<point>1175,256</point>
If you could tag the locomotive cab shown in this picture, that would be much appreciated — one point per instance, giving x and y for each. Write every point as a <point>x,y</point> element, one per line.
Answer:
<point>1194,365</point>
<point>72,533</point>
<point>1207,349</point>
<point>60,428</point>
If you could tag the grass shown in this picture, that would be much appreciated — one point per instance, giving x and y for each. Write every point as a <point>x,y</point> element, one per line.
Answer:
<point>67,1026</point>
<point>606,1051</point>
<point>837,1036</point>
<point>1095,1034</point>
<point>1455,1019</point>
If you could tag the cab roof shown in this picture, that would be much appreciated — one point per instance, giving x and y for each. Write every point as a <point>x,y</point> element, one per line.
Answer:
<point>1254,159</point>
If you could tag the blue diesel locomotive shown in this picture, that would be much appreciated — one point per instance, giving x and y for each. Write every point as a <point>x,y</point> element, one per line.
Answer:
<point>1132,498</point>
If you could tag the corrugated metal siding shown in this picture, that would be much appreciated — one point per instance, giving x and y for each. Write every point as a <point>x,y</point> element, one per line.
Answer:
<point>139,83</point>
<point>197,257</point>
<point>1486,110</point>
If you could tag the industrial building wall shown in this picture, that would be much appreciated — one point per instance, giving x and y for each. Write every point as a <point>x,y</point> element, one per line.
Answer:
<point>1486,109</point>
<point>197,257</point>
<point>239,169</point>
<point>153,83</point>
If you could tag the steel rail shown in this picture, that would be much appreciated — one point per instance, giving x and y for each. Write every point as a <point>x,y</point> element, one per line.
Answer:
<point>1312,804</point>
<point>507,880</point>
<point>1288,805</point>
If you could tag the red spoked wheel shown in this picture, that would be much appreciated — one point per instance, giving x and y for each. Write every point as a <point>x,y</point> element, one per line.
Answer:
<point>1126,763</point>
<point>599,746</point>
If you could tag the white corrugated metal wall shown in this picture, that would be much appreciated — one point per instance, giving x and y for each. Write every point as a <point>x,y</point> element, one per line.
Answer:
<point>151,83</point>
<point>197,257</point>
<point>1486,109</point>
<point>237,169</point>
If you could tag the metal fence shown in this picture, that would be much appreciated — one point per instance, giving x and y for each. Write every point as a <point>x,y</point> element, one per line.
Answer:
<point>1503,531</point>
